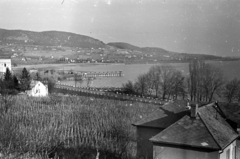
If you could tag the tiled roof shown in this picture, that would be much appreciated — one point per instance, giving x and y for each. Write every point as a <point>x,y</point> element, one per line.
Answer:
<point>221,131</point>
<point>187,131</point>
<point>165,115</point>
<point>208,130</point>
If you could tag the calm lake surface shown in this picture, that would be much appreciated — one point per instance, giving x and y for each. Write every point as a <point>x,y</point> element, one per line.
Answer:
<point>231,69</point>
<point>131,72</point>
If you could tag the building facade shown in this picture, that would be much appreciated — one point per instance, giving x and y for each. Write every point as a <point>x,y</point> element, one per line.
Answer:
<point>5,62</point>
<point>38,89</point>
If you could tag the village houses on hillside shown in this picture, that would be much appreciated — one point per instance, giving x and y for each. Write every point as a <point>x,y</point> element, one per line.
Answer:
<point>175,132</point>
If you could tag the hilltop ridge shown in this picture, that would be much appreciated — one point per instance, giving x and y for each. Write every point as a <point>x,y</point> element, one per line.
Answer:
<point>58,46</point>
<point>49,38</point>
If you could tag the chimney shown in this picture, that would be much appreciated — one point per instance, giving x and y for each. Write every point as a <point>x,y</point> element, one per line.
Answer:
<point>194,110</point>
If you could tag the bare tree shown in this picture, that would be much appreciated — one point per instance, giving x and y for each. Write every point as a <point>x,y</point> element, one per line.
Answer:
<point>142,84</point>
<point>129,88</point>
<point>166,80</point>
<point>178,85</point>
<point>154,76</point>
<point>195,82</point>
<point>204,80</point>
<point>231,90</point>
<point>213,80</point>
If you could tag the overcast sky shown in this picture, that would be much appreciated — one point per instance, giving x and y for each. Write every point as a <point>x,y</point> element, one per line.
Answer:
<point>191,26</point>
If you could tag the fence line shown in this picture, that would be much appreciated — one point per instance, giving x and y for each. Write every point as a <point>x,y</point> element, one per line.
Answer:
<point>94,74</point>
<point>104,93</point>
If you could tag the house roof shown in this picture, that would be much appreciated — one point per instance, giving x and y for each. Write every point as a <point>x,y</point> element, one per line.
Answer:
<point>33,83</point>
<point>187,131</point>
<point>165,115</point>
<point>208,130</point>
<point>232,111</point>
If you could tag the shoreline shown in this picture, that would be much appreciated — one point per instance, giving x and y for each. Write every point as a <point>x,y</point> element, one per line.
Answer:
<point>61,65</point>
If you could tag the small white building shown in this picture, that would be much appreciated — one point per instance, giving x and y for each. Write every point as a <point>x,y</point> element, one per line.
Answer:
<point>5,62</point>
<point>38,89</point>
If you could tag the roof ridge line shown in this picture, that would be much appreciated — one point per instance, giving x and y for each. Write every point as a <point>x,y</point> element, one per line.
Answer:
<point>168,127</point>
<point>136,123</point>
<point>199,114</point>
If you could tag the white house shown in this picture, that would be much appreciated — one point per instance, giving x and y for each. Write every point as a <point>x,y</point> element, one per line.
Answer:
<point>5,62</point>
<point>38,89</point>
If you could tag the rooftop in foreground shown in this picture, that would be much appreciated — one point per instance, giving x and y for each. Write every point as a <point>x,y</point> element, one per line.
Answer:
<point>208,130</point>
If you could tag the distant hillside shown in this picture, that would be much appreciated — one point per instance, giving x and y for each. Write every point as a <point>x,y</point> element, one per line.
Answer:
<point>122,45</point>
<point>154,49</point>
<point>49,38</point>
<point>170,55</point>
<point>127,46</point>
<point>10,40</point>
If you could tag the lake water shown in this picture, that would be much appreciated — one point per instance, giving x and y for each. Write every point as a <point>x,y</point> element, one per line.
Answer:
<point>231,69</point>
<point>131,72</point>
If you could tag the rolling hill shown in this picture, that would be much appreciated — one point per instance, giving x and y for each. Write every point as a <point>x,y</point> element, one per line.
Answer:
<point>67,39</point>
<point>49,38</point>
<point>122,45</point>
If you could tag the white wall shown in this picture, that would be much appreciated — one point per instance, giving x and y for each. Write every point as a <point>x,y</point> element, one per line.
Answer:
<point>160,152</point>
<point>4,63</point>
<point>232,149</point>
<point>39,90</point>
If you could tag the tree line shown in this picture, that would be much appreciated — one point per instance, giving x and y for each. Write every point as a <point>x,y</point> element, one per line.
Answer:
<point>12,84</point>
<point>203,83</point>
<point>160,81</point>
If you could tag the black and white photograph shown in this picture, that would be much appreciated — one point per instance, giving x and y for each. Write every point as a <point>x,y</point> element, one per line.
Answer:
<point>119,79</point>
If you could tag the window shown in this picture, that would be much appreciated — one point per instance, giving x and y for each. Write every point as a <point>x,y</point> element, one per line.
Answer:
<point>37,91</point>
